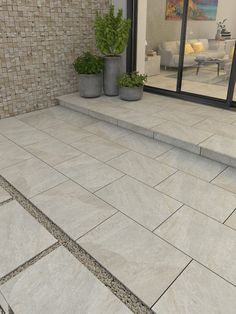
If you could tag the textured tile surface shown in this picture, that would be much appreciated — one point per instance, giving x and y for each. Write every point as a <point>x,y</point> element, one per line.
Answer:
<point>227,180</point>
<point>231,222</point>
<point>180,117</point>
<point>32,177</point>
<point>22,237</point>
<point>143,204</point>
<point>142,168</point>
<point>40,120</point>
<point>135,256</point>
<point>204,239</point>
<point>201,195</point>
<point>198,290</point>
<point>58,283</point>
<point>193,164</point>
<point>4,196</point>
<point>107,130</point>
<point>89,172</point>
<point>100,148</point>
<point>52,151</point>
<point>144,145</point>
<point>72,208</point>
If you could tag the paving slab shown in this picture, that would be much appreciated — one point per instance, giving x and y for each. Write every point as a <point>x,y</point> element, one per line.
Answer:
<point>4,196</point>
<point>198,290</point>
<point>204,239</point>
<point>22,237</point>
<point>227,179</point>
<point>59,283</point>
<point>135,256</point>
<point>72,208</point>
<point>107,130</point>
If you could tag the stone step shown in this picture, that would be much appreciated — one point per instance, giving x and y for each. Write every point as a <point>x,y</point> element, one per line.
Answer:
<point>123,114</point>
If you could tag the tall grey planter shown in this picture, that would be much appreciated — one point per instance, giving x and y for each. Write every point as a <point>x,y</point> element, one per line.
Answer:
<point>112,72</point>
<point>90,85</point>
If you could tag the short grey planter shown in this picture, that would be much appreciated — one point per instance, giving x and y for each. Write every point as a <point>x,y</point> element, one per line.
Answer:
<point>112,72</point>
<point>131,93</point>
<point>90,85</point>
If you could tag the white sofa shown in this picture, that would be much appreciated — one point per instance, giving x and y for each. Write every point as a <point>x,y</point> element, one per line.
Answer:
<point>169,52</point>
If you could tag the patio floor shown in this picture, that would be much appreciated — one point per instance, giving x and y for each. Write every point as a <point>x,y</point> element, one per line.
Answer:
<point>95,218</point>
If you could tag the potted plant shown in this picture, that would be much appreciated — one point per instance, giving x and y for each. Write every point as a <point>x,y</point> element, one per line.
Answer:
<point>131,86</point>
<point>112,34</point>
<point>90,69</point>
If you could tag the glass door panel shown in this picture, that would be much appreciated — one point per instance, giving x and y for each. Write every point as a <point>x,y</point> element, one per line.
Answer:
<point>209,50</point>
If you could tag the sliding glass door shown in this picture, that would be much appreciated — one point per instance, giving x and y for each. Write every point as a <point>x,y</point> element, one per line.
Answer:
<point>187,47</point>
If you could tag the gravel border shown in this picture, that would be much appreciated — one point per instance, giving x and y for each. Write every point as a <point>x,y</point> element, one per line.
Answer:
<point>117,288</point>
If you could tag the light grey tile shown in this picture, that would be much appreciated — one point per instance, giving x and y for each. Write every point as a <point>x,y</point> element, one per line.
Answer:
<point>107,130</point>
<point>59,283</point>
<point>3,304</point>
<point>144,106</point>
<point>22,237</point>
<point>99,147</point>
<point>32,177</point>
<point>143,204</point>
<point>52,151</point>
<point>231,221</point>
<point>4,196</point>
<point>222,149</point>
<point>142,168</point>
<point>204,239</point>
<point>103,117</point>
<point>89,172</point>
<point>40,120</point>
<point>144,145</point>
<point>193,164</point>
<point>141,119</point>
<point>201,195</point>
<point>198,290</point>
<point>180,117</point>
<point>72,208</point>
<point>21,133</point>
<point>217,127</point>
<point>139,259</point>
<point>136,128</point>
<point>216,114</point>
<point>182,136</point>
<point>67,133</point>
<point>11,154</point>
<point>227,180</point>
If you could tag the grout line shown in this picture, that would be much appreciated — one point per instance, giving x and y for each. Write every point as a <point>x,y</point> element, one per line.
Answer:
<point>29,263</point>
<point>6,201</point>
<point>118,288</point>
<point>211,181</point>
<point>172,282</point>
<point>233,212</point>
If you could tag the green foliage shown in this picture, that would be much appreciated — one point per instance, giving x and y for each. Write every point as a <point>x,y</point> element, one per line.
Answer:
<point>88,64</point>
<point>133,79</point>
<point>112,32</point>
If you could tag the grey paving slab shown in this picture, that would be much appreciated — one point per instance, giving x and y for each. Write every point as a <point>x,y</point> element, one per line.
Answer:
<point>32,177</point>
<point>144,145</point>
<point>89,172</point>
<point>198,290</point>
<point>182,136</point>
<point>59,283</point>
<point>99,147</point>
<point>227,179</point>
<point>72,208</point>
<point>220,148</point>
<point>40,119</point>
<point>142,168</point>
<point>207,241</point>
<point>3,304</point>
<point>143,204</point>
<point>22,237</point>
<point>135,256</point>
<point>203,196</point>
<point>67,133</point>
<point>4,196</point>
<point>107,130</point>
<point>180,117</point>
<point>231,221</point>
<point>193,164</point>
<point>52,151</point>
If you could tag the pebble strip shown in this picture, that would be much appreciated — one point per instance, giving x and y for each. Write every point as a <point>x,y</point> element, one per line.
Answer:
<point>118,289</point>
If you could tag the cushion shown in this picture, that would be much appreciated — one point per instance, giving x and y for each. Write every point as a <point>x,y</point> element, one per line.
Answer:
<point>205,43</point>
<point>188,49</point>
<point>198,47</point>
<point>231,54</point>
<point>171,46</point>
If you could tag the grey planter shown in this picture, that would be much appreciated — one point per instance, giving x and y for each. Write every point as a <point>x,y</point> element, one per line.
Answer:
<point>131,93</point>
<point>112,72</point>
<point>90,85</point>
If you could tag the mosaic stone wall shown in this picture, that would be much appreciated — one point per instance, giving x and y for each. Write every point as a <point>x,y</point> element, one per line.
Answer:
<point>39,40</point>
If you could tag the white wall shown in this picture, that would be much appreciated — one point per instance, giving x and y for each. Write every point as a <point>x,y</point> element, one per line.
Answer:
<point>159,29</point>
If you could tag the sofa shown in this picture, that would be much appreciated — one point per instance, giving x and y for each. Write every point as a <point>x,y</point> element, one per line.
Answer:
<point>169,52</point>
